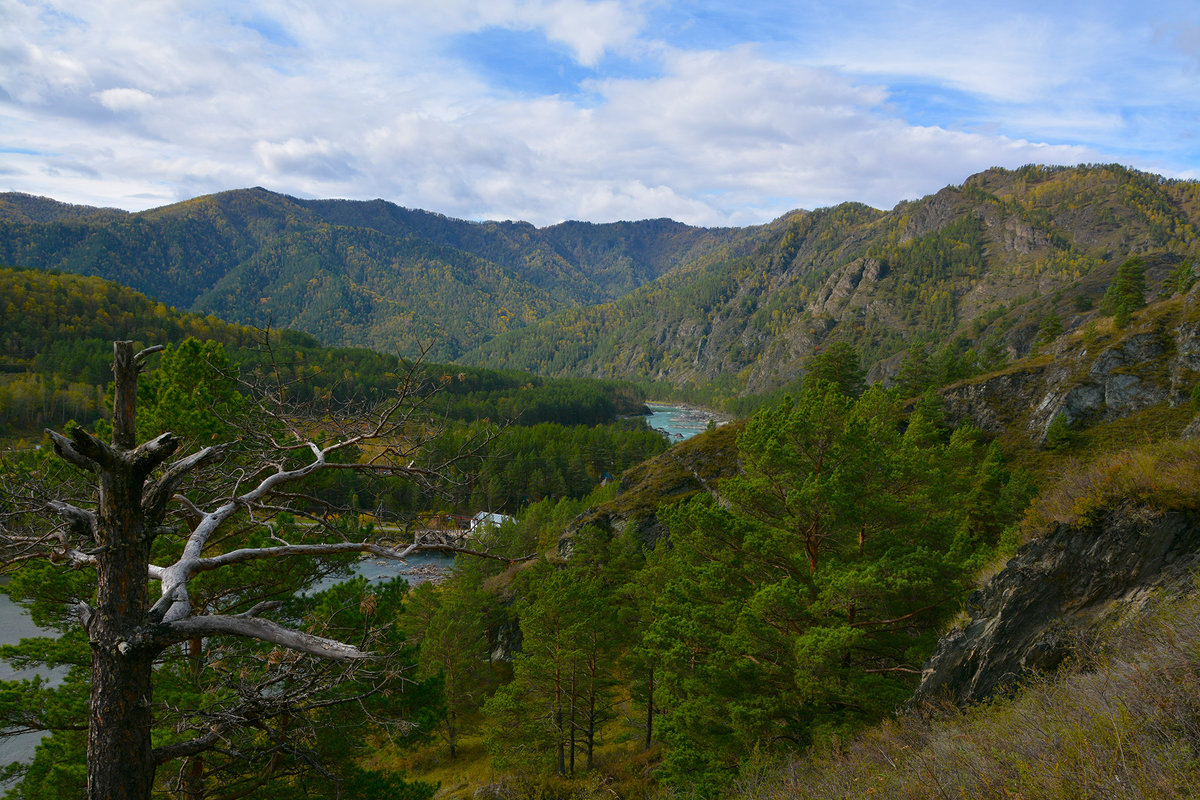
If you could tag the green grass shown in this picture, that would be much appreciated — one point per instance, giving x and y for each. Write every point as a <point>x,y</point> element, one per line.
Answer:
<point>458,777</point>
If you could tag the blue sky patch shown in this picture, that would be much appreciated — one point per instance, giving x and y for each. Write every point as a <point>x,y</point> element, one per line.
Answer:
<point>931,104</point>
<point>527,63</point>
<point>269,29</point>
<point>718,24</point>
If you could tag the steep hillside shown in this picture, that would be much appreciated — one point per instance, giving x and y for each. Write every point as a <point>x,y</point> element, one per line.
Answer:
<point>974,269</point>
<point>352,273</point>
<point>977,266</point>
<point>1094,375</point>
<point>1112,539</point>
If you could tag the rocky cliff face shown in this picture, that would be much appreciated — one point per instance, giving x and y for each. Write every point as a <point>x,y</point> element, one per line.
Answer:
<point>1089,378</point>
<point>1057,592</point>
<point>986,261</point>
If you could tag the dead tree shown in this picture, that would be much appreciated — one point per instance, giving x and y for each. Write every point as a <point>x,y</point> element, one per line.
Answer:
<point>138,496</point>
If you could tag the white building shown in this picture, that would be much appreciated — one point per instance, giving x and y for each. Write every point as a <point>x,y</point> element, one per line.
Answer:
<point>486,520</point>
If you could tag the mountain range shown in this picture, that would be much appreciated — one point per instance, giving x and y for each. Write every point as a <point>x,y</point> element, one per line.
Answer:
<point>976,267</point>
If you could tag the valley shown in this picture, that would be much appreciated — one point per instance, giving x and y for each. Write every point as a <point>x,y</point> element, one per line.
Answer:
<point>924,470</point>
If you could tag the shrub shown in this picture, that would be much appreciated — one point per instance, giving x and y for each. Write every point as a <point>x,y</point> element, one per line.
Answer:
<point>1059,435</point>
<point>1163,476</point>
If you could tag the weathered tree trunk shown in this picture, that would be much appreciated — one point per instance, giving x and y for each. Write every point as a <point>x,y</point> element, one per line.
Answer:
<point>126,633</point>
<point>120,759</point>
<point>119,755</point>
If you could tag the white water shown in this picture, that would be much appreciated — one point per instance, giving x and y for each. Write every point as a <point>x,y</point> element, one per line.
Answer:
<point>680,422</point>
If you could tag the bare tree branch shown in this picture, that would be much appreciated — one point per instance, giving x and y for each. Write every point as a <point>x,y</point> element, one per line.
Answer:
<point>66,450</point>
<point>81,522</point>
<point>148,455</point>
<point>263,630</point>
<point>160,492</point>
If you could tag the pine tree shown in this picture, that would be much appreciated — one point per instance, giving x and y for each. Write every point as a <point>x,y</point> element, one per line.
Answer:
<point>1127,292</point>
<point>838,363</point>
<point>799,601</point>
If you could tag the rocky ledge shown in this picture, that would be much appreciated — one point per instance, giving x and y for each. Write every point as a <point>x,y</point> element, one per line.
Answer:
<point>1156,361</point>
<point>1058,592</point>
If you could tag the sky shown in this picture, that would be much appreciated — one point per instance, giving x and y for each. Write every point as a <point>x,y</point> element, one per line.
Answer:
<point>711,112</point>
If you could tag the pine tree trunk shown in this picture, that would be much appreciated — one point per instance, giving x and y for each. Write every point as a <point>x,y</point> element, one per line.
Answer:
<point>194,780</point>
<point>573,726</point>
<point>591,727</point>
<point>119,755</point>
<point>562,756</point>
<point>120,760</point>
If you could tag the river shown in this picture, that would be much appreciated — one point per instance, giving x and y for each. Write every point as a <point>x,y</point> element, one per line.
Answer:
<point>676,422</point>
<point>680,422</point>
<point>415,569</point>
<point>15,625</point>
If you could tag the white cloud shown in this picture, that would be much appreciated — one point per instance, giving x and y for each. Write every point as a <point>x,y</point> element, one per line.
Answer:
<point>124,99</point>
<point>318,159</point>
<point>720,138</point>
<point>1012,59</point>
<point>364,99</point>
<point>589,29</point>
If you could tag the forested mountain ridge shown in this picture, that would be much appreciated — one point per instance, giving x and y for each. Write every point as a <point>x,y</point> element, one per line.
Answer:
<point>977,267</point>
<point>352,273</point>
<point>968,274</point>
<point>573,261</point>
<point>21,207</point>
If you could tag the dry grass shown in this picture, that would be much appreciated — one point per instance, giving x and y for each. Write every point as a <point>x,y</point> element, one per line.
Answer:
<point>1128,727</point>
<point>1163,476</point>
<point>622,770</point>
<point>457,778</point>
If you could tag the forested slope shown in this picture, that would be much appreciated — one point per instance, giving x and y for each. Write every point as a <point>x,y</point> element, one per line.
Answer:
<point>561,436</point>
<point>969,273</point>
<point>750,614</point>
<point>976,268</point>
<point>352,273</point>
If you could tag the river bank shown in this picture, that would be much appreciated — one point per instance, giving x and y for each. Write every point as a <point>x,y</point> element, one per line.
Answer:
<point>678,421</point>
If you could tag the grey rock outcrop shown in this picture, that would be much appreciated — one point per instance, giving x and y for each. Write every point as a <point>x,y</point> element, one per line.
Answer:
<point>1058,591</point>
<point>1088,382</point>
